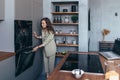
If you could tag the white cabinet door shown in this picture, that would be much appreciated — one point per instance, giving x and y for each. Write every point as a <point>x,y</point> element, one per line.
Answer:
<point>2,9</point>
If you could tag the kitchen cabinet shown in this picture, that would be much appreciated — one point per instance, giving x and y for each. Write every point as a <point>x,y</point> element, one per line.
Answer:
<point>2,8</point>
<point>106,45</point>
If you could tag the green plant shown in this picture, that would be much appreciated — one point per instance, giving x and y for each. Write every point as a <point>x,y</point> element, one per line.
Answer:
<point>63,53</point>
<point>74,18</point>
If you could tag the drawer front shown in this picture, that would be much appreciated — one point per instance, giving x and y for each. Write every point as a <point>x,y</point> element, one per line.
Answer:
<point>105,46</point>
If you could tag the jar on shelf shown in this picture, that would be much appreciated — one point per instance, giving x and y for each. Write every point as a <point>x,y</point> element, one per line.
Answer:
<point>74,41</point>
<point>60,31</point>
<point>56,31</point>
<point>57,41</point>
<point>57,8</point>
<point>74,8</point>
<point>66,19</point>
<point>74,32</point>
<point>71,32</point>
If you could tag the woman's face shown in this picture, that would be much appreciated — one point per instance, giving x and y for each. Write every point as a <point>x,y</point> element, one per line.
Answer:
<point>44,25</point>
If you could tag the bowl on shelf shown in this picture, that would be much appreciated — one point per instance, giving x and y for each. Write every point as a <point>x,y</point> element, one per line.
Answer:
<point>77,73</point>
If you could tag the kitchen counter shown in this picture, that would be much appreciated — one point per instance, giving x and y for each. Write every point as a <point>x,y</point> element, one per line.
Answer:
<point>5,55</point>
<point>60,73</point>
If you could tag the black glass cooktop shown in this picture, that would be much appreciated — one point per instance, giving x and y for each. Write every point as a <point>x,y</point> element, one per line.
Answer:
<point>87,62</point>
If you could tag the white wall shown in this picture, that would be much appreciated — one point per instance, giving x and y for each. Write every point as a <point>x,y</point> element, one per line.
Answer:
<point>7,28</point>
<point>83,25</point>
<point>83,20</point>
<point>103,16</point>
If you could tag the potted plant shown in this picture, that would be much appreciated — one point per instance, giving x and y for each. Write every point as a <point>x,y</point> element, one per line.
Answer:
<point>105,32</point>
<point>74,18</point>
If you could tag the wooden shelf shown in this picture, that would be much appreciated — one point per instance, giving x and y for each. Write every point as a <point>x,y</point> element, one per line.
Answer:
<point>74,45</point>
<point>64,13</point>
<point>65,23</point>
<point>66,34</point>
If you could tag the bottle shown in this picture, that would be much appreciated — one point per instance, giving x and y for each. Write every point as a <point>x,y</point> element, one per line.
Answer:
<point>64,40</point>
<point>55,19</point>
<point>60,19</point>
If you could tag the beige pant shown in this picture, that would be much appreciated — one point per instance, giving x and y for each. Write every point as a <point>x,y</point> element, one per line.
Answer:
<point>49,63</point>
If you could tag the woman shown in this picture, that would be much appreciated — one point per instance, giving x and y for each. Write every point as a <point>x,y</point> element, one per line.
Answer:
<point>48,43</point>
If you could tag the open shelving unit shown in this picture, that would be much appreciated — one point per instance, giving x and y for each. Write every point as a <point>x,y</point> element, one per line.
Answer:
<point>66,29</point>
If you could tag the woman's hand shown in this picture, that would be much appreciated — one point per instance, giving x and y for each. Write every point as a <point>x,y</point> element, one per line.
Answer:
<point>35,48</point>
<point>36,36</point>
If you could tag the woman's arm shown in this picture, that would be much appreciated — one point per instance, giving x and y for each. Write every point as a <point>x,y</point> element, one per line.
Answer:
<point>49,37</point>
<point>45,42</point>
<point>36,36</point>
<point>37,47</point>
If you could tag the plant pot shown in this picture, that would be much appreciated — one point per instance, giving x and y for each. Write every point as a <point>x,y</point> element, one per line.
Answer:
<point>74,18</point>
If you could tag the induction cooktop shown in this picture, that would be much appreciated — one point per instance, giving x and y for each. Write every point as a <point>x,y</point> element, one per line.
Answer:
<point>87,62</point>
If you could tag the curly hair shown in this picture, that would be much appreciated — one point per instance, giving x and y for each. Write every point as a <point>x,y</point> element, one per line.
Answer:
<point>49,25</point>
